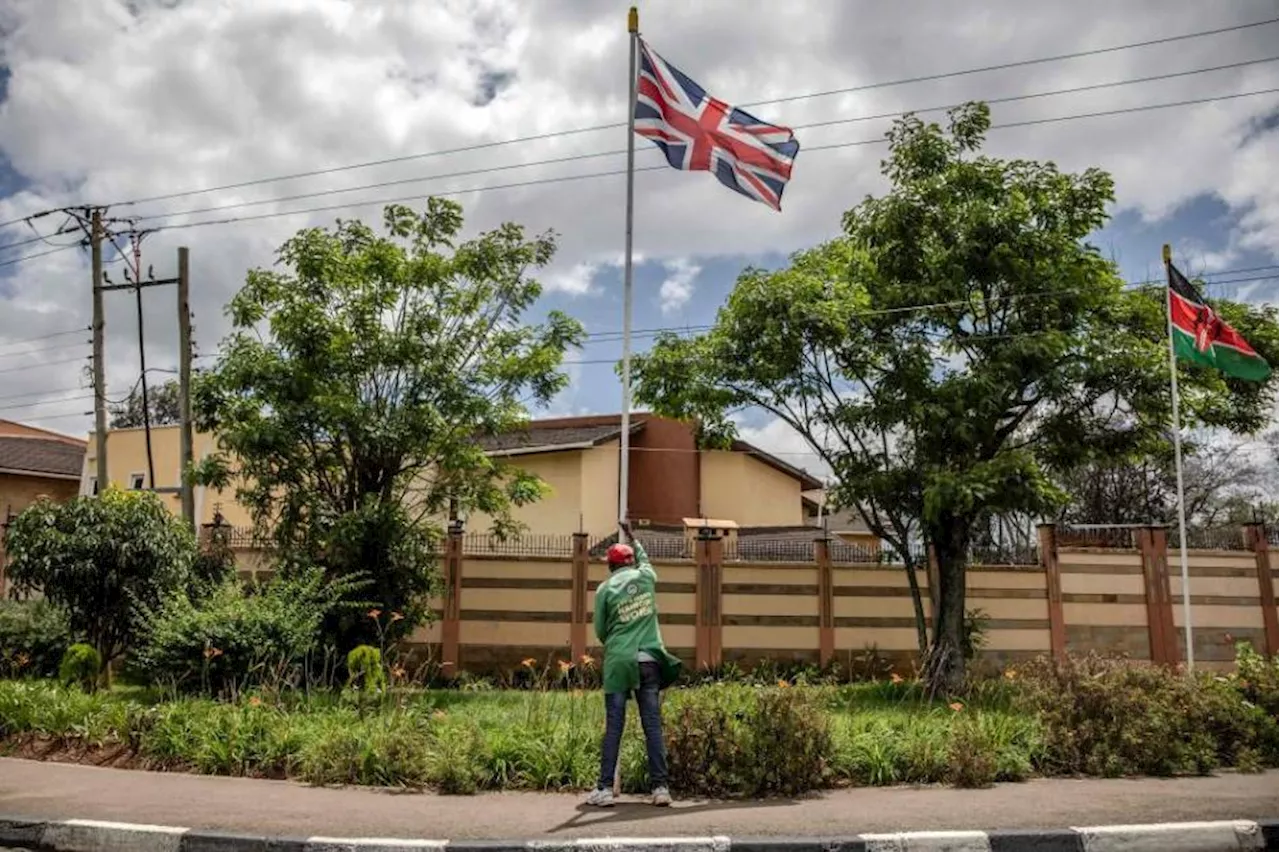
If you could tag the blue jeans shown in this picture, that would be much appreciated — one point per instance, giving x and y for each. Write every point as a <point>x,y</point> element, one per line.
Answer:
<point>615,714</point>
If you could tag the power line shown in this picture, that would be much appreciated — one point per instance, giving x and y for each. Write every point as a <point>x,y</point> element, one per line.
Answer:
<point>60,346</point>
<point>46,402</point>
<point>14,260</point>
<point>46,364</point>
<point>30,394</point>
<point>847,90</point>
<point>80,330</point>
<point>613,172</point>
<point>653,150</point>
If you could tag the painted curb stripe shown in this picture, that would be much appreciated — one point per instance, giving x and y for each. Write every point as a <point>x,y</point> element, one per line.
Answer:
<point>1064,840</point>
<point>79,835</point>
<point>1173,837</point>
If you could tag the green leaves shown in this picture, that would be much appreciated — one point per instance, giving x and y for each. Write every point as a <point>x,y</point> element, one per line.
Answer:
<point>101,560</point>
<point>957,349</point>
<point>359,374</point>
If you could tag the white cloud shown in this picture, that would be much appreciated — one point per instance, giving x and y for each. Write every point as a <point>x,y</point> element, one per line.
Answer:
<point>110,100</point>
<point>776,437</point>
<point>576,280</point>
<point>677,286</point>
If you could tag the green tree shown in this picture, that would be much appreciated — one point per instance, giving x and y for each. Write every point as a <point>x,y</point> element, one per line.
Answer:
<point>162,402</point>
<point>347,402</point>
<point>957,346</point>
<point>101,560</point>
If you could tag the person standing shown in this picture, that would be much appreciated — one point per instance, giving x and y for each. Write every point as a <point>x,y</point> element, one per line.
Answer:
<point>635,662</point>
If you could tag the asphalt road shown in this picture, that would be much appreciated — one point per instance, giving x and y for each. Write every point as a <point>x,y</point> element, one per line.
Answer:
<point>280,808</point>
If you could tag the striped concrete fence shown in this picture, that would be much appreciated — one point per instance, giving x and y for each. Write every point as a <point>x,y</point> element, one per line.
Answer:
<point>1119,594</point>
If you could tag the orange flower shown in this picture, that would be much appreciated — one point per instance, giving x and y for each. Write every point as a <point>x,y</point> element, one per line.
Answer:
<point>895,678</point>
<point>397,672</point>
<point>397,616</point>
<point>21,660</point>
<point>528,662</point>
<point>565,666</point>
<point>587,661</point>
<point>210,652</point>
<point>1010,674</point>
<point>375,614</point>
<point>255,701</point>
<point>782,684</point>
<point>956,706</point>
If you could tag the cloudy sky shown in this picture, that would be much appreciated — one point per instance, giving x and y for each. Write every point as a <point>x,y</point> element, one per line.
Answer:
<point>107,102</point>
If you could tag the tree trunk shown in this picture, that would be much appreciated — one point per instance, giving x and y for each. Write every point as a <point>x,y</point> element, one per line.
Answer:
<point>944,668</point>
<point>917,604</point>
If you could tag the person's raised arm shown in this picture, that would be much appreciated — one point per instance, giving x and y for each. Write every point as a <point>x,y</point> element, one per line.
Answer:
<point>642,558</point>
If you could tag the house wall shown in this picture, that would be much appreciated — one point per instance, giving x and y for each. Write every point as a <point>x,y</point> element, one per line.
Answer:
<point>558,511</point>
<point>127,455</point>
<point>599,489</point>
<point>663,486</point>
<point>18,492</point>
<point>737,487</point>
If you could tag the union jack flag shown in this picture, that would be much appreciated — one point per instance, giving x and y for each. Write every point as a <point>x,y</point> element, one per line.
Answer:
<point>699,133</point>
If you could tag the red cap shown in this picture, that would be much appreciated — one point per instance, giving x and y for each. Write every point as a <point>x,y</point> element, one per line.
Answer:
<point>620,554</point>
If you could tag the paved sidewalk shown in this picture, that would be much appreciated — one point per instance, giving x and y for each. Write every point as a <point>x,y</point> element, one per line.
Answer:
<point>280,808</point>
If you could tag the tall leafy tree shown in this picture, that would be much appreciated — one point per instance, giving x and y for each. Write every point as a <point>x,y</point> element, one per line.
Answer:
<point>347,402</point>
<point>957,346</point>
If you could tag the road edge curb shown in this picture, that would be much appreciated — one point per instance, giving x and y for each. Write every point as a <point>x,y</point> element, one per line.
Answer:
<point>79,835</point>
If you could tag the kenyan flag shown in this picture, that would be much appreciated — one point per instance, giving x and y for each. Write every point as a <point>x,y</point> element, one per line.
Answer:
<point>1200,335</point>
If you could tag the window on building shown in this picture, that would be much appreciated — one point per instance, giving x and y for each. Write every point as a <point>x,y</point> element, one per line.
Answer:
<point>137,480</point>
<point>93,485</point>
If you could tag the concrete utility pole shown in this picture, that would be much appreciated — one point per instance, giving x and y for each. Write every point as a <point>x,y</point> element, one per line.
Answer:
<point>184,384</point>
<point>99,366</point>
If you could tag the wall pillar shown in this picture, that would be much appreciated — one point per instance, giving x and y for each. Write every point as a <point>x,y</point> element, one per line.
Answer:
<point>578,600</point>
<point>1256,537</point>
<point>708,629</point>
<point>1048,535</point>
<point>1153,545</point>
<point>451,624</point>
<point>826,602</point>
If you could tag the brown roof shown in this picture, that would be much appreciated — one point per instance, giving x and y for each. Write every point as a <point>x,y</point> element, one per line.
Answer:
<point>595,429</point>
<point>41,456</point>
<point>551,436</point>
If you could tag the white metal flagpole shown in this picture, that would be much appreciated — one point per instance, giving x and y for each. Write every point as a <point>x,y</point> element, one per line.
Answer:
<point>1177,464</point>
<point>624,464</point>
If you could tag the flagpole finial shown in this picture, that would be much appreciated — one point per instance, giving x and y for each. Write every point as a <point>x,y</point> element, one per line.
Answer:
<point>1166,253</point>
<point>633,20</point>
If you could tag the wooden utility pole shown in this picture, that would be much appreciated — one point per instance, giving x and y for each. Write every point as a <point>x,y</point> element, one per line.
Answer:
<point>184,385</point>
<point>142,360</point>
<point>99,367</point>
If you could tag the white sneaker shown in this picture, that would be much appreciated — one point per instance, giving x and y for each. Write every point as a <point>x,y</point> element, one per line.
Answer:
<point>601,797</point>
<point>661,797</point>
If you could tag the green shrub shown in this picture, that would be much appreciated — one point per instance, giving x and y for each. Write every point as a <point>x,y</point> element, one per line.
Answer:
<point>102,561</point>
<point>1113,718</point>
<point>33,637</point>
<point>236,641</point>
<point>80,666</point>
<point>364,670</point>
<point>971,756</point>
<point>740,741</point>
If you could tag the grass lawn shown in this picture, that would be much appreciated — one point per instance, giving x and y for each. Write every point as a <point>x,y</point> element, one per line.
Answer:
<point>722,739</point>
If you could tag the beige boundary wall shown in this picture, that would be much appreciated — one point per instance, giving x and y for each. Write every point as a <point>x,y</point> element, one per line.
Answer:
<point>500,610</point>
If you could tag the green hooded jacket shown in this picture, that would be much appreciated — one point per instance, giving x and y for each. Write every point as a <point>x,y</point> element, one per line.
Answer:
<point>626,622</point>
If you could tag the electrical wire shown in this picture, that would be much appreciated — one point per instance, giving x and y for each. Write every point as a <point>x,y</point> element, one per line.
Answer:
<point>45,336</point>
<point>560,133</point>
<point>145,217</point>
<point>41,366</point>
<point>662,167</point>
<point>14,260</point>
<point>61,346</point>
